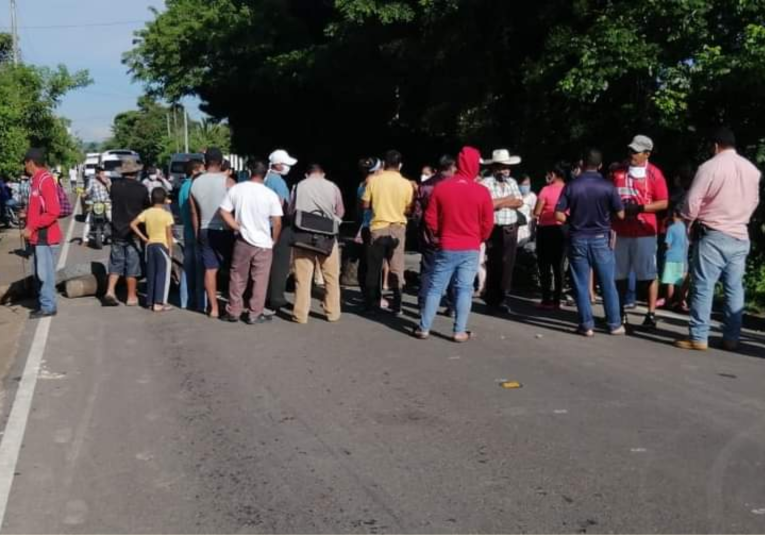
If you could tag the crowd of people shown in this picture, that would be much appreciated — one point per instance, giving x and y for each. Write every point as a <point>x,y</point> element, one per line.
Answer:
<point>617,228</point>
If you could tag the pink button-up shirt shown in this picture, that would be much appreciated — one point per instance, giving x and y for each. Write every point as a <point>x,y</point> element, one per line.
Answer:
<point>724,194</point>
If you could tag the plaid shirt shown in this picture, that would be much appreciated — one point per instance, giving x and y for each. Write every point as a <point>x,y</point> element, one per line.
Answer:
<point>499,190</point>
<point>97,191</point>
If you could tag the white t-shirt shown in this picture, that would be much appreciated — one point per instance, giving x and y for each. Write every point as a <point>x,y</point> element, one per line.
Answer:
<point>253,205</point>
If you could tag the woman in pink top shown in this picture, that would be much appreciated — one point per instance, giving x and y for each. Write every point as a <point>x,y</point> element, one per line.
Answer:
<point>551,241</point>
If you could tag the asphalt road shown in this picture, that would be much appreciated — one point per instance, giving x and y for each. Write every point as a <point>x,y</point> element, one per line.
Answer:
<point>176,423</point>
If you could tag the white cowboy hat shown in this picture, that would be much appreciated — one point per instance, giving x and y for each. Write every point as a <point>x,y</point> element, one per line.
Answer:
<point>502,157</point>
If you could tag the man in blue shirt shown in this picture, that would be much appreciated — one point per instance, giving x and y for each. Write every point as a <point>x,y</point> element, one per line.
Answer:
<point>280,164</point>
<point>192,279</point>
<point>587,204</point>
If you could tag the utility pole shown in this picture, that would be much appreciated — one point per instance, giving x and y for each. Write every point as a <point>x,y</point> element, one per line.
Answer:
<point>175,128</point>
<point>185,130</point>
<point>14,33</point>
<point>169,131</point>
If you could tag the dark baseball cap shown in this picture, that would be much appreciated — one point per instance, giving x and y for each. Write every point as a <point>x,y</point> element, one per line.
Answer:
<point>35,155</point>
<point>214,154</point>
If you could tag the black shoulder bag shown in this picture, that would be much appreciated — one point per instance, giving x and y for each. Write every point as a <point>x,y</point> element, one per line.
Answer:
<point>313,231</point>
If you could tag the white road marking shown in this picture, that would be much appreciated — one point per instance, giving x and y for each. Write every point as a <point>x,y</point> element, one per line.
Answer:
<point>22,403</point>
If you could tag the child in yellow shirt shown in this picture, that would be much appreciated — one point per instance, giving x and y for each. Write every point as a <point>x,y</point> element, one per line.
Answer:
<point>159,242</point>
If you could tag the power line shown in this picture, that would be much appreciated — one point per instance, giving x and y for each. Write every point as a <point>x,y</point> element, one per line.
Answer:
<point>83,25</point>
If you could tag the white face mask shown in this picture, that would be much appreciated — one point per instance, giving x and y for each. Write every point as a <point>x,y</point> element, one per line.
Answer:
<point>423,178</point>
<point>638,172</point>
<point>285,170</point>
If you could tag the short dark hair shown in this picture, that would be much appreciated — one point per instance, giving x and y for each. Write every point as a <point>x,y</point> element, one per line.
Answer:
<point>559,171</point>
<point>393,158</point>
<point>36,156</point>
<point>191,165</point>
<point>446,162</point>
<point>724,137</point>
<point>257,168</point>
<point>226,165</point>
<point>214,156</point>
<point>158,196</point>
<point>593,158</point>
<point>314,168</point>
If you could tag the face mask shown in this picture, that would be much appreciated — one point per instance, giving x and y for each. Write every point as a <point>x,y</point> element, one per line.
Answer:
<point>525,190</point>
<point>638,172</point>
<point>423,178</point>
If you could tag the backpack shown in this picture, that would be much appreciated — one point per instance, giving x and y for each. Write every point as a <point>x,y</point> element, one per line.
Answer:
<point>63,200</point>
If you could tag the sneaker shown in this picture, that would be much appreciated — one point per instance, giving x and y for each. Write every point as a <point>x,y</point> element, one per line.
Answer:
<point>650,321</point>
<point>258,320</point>
<point>691,345</point>
<point>730,345</point>
<point>39,314</point>
<point>619,331</point>
<point>229,318</point>
<point>269,312</point>
<point>587,333</point>
<point>110,301</point>
<point>630,306</point>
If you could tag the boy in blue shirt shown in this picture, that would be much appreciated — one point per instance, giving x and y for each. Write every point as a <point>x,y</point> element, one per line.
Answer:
<point>675,267</point>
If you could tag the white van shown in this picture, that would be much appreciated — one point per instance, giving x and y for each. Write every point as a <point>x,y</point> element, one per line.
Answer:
<point>91,161</point>
<point>112,160</point>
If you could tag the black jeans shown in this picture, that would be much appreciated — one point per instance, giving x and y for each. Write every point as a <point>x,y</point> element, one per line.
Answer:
<point>280,269</point>
<point>551,246</point>
<point>500,263</point>
<point>366,240</point>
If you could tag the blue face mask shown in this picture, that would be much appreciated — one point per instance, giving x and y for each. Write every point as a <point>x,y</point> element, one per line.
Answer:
<point>525,190</point>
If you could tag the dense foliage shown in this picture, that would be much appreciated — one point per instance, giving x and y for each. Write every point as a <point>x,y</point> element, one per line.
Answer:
<point>337,79</point>
<point>28,99</point>
<point>155,131</point>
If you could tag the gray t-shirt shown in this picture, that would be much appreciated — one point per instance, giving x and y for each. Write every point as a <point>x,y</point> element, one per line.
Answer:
<point>208,191</point>
<point>318,195</point>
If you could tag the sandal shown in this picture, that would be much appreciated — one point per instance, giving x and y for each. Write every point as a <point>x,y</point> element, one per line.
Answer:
<point>162,308</point>
<point>110,301</point>
<point>421,335</point>
<point>131,303</point>
<point>462,337</point>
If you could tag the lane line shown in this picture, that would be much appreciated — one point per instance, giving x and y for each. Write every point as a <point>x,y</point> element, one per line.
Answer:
<point>22,403</point>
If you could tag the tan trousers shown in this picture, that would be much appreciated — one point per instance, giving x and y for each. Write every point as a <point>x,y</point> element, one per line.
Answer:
<point>305,263</point>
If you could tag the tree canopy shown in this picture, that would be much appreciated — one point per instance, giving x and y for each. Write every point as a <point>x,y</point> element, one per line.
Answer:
<point>155,131</point>
<point>29,96</point>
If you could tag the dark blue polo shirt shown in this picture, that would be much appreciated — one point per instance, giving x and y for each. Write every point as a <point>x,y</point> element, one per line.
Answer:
<point>590,200</point>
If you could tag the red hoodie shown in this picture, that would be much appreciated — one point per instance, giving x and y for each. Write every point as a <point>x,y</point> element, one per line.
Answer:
<point>461,212</point>
<point>43,210</point>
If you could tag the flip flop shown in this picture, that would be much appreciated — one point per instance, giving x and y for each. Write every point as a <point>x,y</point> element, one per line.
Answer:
<point>131,303</point>
<point>462,338</point>
<point>109,301</point>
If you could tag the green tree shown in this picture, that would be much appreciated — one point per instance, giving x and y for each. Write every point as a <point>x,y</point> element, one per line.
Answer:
<point>29,97</point>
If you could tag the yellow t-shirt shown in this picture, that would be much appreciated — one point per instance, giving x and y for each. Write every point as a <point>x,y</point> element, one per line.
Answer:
<point>390,196</point>
<point>156,220</point>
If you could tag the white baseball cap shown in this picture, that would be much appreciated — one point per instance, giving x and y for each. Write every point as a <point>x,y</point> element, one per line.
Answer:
<point>281,156</point>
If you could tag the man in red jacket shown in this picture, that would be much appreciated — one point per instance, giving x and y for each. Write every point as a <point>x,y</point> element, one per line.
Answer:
<point>42,229</point>
<point>461,217</point>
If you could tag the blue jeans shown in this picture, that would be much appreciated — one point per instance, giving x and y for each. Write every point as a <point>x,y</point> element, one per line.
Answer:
<point>46,257</point>
<point>631,298</point>
<point>718,256</point>
<point>192,278</point>
<point>463,267</point>
<point>594,253</point>
<point>427,263</point>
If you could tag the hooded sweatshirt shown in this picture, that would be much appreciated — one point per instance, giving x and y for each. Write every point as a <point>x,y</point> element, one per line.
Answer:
<point>461,213</point>
<point>43,210</point>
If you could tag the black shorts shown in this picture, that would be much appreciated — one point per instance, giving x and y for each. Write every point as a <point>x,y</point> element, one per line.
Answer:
<point>216,247</point>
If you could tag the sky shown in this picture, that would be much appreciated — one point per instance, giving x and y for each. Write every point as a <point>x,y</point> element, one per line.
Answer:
<point>85,34</point>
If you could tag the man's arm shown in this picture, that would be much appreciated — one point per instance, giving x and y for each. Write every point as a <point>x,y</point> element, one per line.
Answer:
<point>195,223</point>
<point>562,207</point>
<point>276,228</point>
<point>228,218</point>
<point>339,204</point>
<point>696,195</point>
<point>507,202</point>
